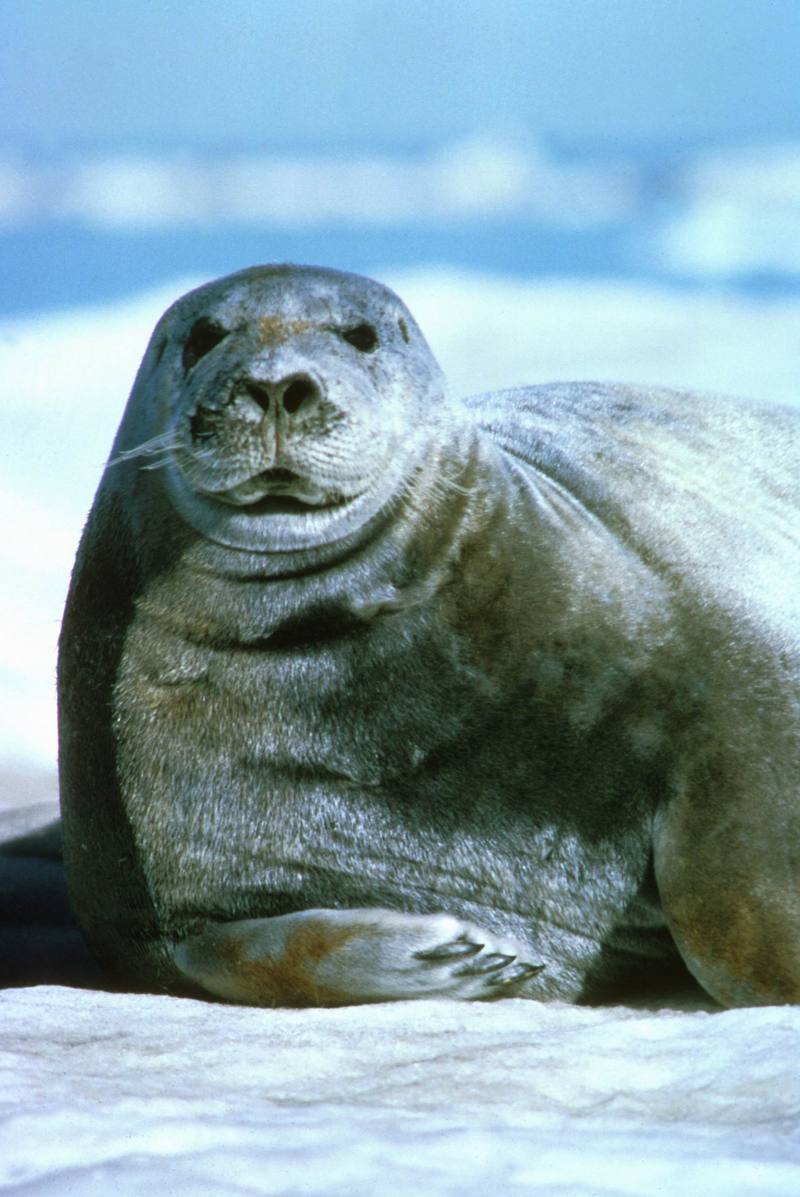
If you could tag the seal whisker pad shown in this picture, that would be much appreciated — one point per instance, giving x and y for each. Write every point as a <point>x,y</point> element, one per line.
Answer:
<point>340,646</point>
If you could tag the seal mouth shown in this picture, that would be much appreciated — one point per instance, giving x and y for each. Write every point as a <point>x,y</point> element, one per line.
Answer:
<point>288,505</point>
<point>280,491</point>
<point>253,517</point>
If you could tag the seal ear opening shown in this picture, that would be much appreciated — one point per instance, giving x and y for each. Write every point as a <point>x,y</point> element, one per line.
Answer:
<point>204,336</point>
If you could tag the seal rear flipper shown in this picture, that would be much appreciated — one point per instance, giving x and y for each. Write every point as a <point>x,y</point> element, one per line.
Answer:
<point>345,957</point>
<point>727,873</point>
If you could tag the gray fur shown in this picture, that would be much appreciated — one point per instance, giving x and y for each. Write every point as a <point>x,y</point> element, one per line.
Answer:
<point>530,662</point>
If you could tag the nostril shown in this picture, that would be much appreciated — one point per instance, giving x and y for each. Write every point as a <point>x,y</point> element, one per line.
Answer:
<point>298,392</point>
<point>293,393</point>
<point>259,393</point>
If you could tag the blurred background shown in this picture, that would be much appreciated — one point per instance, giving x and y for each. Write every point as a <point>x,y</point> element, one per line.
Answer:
<point>636,138</point>
<point>558,188</point>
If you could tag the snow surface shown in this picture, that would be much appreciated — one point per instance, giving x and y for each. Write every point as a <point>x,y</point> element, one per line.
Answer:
<point>64,378</point>
<point>113,1093</point>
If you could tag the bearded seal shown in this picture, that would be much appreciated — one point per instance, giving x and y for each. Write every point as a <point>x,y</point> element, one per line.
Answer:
<point>369,693</point>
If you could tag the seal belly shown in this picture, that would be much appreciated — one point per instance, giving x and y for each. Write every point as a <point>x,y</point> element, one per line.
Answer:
<point>383,770</point>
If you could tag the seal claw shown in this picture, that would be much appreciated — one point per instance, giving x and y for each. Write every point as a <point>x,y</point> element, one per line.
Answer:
<point>514,975</point>
<point>456,949</point>
<point>490,963</point>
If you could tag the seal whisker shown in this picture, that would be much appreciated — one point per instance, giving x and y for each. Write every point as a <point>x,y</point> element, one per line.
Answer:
<point>449,481</point>
<point>164,442</point>
<point>158,465</point>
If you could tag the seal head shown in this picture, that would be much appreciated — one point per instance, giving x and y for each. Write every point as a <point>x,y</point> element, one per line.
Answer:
<point>301,395</point>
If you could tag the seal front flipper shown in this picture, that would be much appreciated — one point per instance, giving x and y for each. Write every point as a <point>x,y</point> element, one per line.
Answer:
<point>345,957</point>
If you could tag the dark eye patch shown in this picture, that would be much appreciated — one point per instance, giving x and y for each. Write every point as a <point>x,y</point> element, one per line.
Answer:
<point>204,336</point>
<point>362,337</point>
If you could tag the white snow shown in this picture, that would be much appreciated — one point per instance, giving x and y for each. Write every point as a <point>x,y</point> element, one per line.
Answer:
<point>65,376</point>
<point>124,1094</point>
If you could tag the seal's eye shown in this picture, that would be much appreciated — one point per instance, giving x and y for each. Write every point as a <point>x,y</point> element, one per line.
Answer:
<point>363,337</point>
<point>204,336</point>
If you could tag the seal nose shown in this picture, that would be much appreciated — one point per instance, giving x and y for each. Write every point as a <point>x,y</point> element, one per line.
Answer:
<point>291,393</point>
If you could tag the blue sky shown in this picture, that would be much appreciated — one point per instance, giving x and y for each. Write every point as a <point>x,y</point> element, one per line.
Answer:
<point>395,72</point>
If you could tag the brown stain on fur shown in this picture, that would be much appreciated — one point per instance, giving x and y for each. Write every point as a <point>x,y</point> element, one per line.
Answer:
<point>273,329</point>
<point>288,979</point>
<point>736,952</point>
